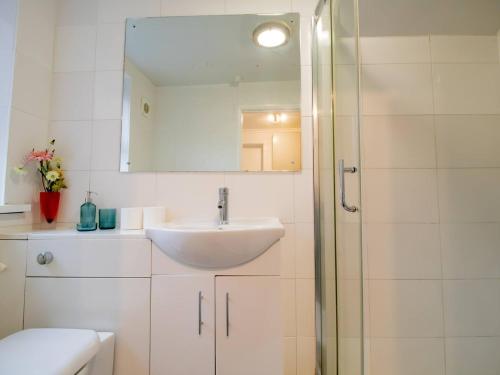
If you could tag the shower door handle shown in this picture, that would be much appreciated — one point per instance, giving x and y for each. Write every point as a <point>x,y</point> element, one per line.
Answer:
<point>342,171</point>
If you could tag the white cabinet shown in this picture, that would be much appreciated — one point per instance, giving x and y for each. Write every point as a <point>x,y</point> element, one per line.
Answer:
<point>100,284</point>
<point>13,263</point>
<point>240,331</point>
<point>183,329</point>
<point>91,257</point>
<point>248,335</point>
<point>119,305</point>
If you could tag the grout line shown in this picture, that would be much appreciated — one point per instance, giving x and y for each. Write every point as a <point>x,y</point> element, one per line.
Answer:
<point>436,155</point>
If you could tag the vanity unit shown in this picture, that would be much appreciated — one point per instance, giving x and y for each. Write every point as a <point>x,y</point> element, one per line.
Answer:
<point>168,317</point>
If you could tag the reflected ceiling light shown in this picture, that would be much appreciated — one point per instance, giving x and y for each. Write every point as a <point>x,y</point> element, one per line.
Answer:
<point>271,34</point>
<point>276,118</point>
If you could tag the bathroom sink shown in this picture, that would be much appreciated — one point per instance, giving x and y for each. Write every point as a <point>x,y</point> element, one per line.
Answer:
<point>208,245</point>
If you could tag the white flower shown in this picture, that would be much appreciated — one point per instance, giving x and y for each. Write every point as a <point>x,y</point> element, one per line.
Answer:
<point>52,176</point>
<point>20,170</point>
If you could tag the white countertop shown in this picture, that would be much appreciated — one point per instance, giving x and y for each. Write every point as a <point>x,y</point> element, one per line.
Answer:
<point>64,231</point>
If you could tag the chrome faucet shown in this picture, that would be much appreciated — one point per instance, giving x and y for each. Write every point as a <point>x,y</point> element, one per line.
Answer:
<point>222,205</point>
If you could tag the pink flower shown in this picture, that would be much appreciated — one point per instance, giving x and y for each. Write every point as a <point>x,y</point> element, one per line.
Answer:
<point>40,155</point>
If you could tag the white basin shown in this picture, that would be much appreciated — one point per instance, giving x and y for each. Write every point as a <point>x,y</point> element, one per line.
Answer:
<point>208,245</point>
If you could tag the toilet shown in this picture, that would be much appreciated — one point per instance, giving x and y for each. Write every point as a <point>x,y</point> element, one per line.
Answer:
<point>57,351</point>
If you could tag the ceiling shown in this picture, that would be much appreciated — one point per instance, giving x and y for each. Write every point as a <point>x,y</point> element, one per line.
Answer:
<point>202,50</point>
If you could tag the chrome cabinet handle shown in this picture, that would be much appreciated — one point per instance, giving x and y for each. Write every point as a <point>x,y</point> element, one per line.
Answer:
<point>342,172</point>
<point>45,258</point>
<point>227,314</point>
<point>200,322</point>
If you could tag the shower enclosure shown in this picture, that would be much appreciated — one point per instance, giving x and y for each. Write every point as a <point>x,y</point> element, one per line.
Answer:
<point>337,188</point>
<point>407,186</point>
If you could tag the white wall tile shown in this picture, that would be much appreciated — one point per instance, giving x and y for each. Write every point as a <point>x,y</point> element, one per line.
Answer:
<point>398,142</point>
<point>287,248</point>
<point>306,355</point>
<point>118,190</point>
<point>73,196</point>
<point>31,87</point>
<point>399,89</point>
<point>72,95</point>
<point>288,300</point>
<point>307,142</point>
<point>471,250</point>
<point>108,95</point>
<point>472,355</point>
<point>191,194</point>
<point>304,238</point>
<point>112,11</point>
<point>466,88</point>
<point>191,8</point>
<point>305,307</point>
<point>464,49</point>
<point>350,360</point>
<point>403,251</point>
<point>305,40</point>
<point>35,30</point>
<point>468,141</point>
<point>472,307</point>
<point>73,143</point>
<point>253,194</point>
<point>306,90</point>
<point>76,12</point>
<point>406,308</point>
<point>110,46</point>
<point>400,196</point>
<point>348,249</point>
<point>469,195</point>
<point>343,54</point>
<point>411,356</point>
<point>106,135</point>
<point>75,49</point>
<point>304,7</point>
<point>349,307</point>
<point>303,196</point>
<point>399,49</point>
<point>346,86</point>
<point>290,356</point>
<point>26,131</point>
<point>257,6</point>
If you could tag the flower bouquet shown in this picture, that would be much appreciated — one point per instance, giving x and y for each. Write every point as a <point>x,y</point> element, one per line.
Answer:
<point>52,177</point>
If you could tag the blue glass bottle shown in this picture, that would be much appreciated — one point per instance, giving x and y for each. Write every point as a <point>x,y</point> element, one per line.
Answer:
<point>87,215</point>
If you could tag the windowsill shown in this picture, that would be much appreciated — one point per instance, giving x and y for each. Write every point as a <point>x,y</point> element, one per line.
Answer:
<point>14,208</point>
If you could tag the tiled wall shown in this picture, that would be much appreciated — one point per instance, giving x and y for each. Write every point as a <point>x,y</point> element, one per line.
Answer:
<point>30,97</point>
<point>431,159</point>
<point>85,120</point>
<point>8,17</point>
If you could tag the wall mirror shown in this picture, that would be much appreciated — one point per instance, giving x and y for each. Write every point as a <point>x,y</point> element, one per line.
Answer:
<point>211,93</point>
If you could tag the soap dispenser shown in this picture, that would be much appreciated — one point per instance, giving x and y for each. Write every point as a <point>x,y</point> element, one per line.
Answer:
<point>87,215</point>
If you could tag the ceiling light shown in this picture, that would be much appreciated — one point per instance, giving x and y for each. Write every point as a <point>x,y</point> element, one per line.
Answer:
<point>276,118</point>
<point>271,34</point>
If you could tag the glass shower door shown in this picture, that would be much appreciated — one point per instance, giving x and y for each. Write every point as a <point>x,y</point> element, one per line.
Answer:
<point>337,189</point>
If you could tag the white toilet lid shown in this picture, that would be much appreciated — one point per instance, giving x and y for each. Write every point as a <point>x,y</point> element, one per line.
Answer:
<point>47,351</point>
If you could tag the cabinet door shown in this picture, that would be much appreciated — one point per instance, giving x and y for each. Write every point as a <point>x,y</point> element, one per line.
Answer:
<point>248,325</point>
<point>119,305</point>
<point>182,325</point>
<point>13,257</point>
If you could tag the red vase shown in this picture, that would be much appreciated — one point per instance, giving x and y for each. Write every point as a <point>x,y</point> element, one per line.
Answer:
<point>49,205</point>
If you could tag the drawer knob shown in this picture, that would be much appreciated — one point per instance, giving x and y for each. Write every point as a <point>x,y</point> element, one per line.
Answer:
<point>3,267</point>
<point>45,258</point>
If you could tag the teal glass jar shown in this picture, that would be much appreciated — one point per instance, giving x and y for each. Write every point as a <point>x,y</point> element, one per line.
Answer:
<point>107,218</point>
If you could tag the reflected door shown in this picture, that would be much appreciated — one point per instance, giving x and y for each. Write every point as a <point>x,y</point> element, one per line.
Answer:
<point>337,189</point>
